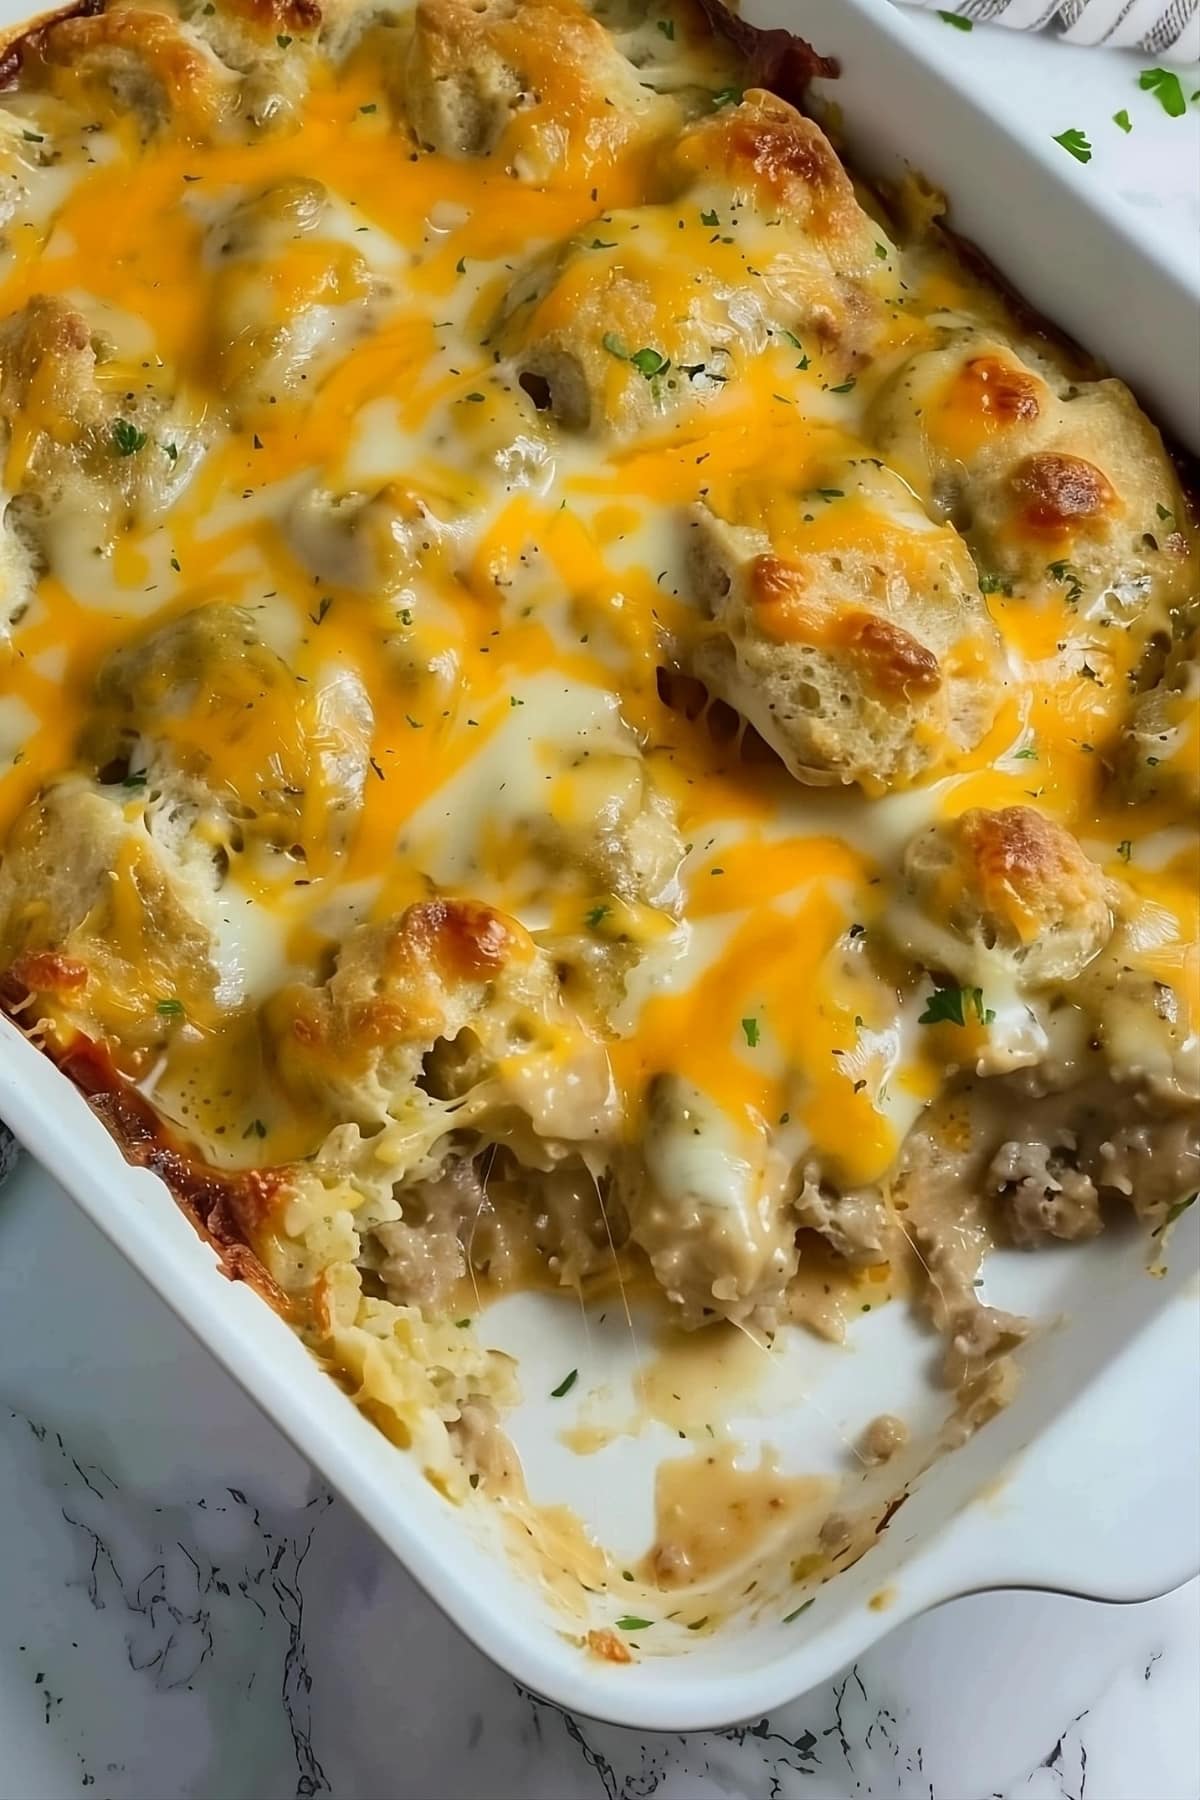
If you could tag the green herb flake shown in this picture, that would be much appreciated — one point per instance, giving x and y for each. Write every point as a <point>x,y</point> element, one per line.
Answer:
<point>1075,143</point>
<point>812,1600</point>
<point>994,584</point>
<point>135,779</point>
<point>650,362</point>
<point>1027,753</point>
<point>959,24</point>
<point>462,1324</point>
<point>604,244</point>
<point>565,1385</point>
<point>629,1623</point>
<point>1167,89</point>
<point>594,918</point>
<point>33,137</point>
<point>1122,120</point>
<point>698,1624</point>
<point>667,27</point>
<point>750,1027</point>
<point>171,452</point>
<point>831,493</point>
<point>169,1009</point>
<point>370,107</point>
<point>881,251</point>
<point>614,346</point>
<point>1164,512</point>
<point>626,1574</point>
<point>709,218</point>
<point>1178,1210</point>
<point>475,399</point>
<point>727,96</point>
<point>323,606</point>
<point>1125,849</point>
<point>949,1006</point>
<point>283,40</point>
<point>127,439</point>
<point>460,267</point>
<point>1068,574</point>
<point>844,387</point>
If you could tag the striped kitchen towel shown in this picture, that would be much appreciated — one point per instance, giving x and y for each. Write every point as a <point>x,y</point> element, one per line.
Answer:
<point>1166,28</point>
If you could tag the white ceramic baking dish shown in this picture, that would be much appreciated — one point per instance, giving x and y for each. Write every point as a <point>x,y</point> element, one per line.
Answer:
<point>1089,1481</point>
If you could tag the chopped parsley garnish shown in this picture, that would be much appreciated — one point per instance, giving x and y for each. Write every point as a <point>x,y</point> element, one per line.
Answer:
<point>1125,849</point>
<point>844,387</point>
<point>460,267</point>
<point>283,40</point>
<point>461,1324</point>
<point>370,107</point>
<point>831,493</point>
<point>812,1599</point>
<point>33,137</point>
<point>696,1624</point>
<point>1075,143</point>
<point>565,1385</point>
<point>1178,1210</point>
<point>959,24</point>
<point>727,96</point>
<point>1068,574</point>
<point>949,1006</point>
<point>593,918</point>
<point>1164,512</point>
<point>170,1009</point>
<point>1026,753</point>
<point>881,251</point>
<point>750,1027</point>
<point>1123,120</point>
<point>629,1623</point>
<point>603,244</point>
<point>171,452</point>
<point>323,606</point>
<point>709,218</point>
<point>135,779</point>
<point>474,398</point>
<point>994,584</point>
<point>127,439</point>
<point>1167,89</point>
<point>667,27</point>
<point>650,362</point>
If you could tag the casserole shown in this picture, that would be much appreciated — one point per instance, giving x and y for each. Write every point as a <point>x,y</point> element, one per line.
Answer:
<point>532,1326</point>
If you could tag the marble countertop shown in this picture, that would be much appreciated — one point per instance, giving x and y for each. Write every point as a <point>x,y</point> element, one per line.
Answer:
<point>187,1614</point>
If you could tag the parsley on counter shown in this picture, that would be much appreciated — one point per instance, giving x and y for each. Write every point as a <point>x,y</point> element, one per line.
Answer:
<point>1075,143</point>
<point>1167,89</point>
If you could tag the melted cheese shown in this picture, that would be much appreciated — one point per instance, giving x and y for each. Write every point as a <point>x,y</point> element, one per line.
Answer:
<point>487,600</point>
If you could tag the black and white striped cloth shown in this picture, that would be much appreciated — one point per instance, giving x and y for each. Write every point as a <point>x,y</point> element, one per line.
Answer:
<point>1166,28</point>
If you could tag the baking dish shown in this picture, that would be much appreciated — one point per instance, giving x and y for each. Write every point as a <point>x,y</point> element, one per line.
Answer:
<point>746,1666</point>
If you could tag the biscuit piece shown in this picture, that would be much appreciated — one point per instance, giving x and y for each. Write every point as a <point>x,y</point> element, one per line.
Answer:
<point>448,1012</point>
<point>1066,490</point>
<point>864,658</point>
<point>78,454</point>
<point>109,912</point>
<point>609,330</point>
<point>1009,890</point>
<point>282,762</point>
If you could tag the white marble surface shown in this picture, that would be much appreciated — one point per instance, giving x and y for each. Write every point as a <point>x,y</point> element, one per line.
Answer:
<point>186,1614</point>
